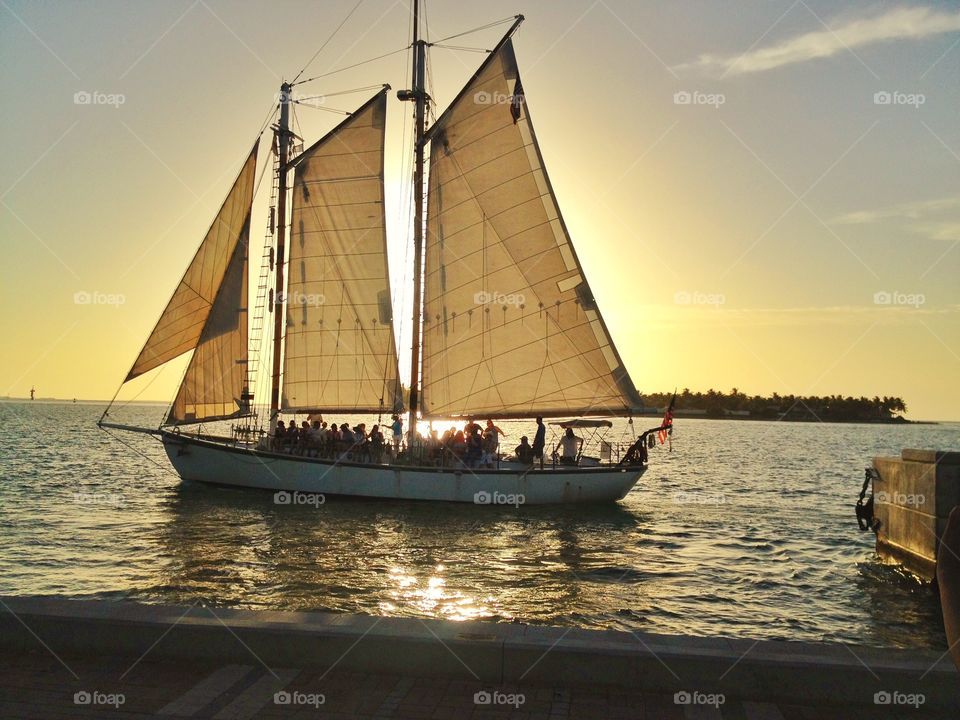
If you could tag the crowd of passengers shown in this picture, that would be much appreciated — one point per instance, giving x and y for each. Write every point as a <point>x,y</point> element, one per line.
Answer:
<point>473,446</point>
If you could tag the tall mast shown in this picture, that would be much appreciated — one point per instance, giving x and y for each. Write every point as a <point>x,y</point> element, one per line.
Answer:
<point>282,131</point>
<point>418,95</point>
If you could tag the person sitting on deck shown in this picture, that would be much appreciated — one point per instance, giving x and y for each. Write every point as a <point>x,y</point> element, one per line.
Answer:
<point>333,440</point>
<point>474,447</point>
<point>524,452</point>
<point>459,446</point>
<point>376,444</point>
<point>315,445</point>
<point>279,436</point>
<point>540,441</point>
<point>346,438</point>
<point>304,437</point>
<point>360,442</point>
<point>569,447</point>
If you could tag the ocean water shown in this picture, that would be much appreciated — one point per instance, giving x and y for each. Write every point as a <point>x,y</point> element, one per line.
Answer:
<point>746,529</point>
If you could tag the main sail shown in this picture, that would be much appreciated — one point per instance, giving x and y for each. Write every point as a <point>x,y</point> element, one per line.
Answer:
<point>339,352</point>
<point>510,326</point>
<point>208,314</point>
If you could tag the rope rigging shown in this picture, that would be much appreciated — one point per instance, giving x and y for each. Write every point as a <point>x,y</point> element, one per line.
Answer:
<point>327,41</point>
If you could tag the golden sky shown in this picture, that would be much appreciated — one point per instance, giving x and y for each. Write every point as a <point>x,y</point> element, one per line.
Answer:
<point>763,195</point>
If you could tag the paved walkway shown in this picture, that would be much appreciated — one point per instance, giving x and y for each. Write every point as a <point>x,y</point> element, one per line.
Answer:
<point>37,685</point>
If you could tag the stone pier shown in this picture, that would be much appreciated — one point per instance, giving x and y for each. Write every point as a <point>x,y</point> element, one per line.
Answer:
<point>913,496</point>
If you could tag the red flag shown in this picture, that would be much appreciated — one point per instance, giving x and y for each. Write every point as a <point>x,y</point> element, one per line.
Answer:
<point>667,423</point>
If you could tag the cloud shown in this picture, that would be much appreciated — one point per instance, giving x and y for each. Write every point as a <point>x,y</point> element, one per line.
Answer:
<point>896,24</point>
<point>910,210</point>
<point>914,216</point>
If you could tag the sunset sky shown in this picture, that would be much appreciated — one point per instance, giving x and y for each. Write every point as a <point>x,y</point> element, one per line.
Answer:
<point>763,194</point>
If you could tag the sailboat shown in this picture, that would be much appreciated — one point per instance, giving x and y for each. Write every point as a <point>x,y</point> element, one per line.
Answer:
<point>504,322</point>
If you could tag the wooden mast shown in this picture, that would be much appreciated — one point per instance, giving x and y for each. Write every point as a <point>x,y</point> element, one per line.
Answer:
<point>282,132</point>
<point>418,95</point>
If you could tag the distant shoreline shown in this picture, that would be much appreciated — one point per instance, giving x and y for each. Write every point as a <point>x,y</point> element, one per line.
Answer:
<point>76,401</point>
<point>679,415</point>
<point>653,415</point>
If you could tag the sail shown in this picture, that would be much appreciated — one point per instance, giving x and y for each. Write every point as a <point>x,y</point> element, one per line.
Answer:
<point>510,326</point>
<point>339,346</point>
<point>215,385</point>
<point>182,323</point>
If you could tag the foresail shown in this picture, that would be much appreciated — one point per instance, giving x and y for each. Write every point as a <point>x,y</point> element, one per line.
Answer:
<point>339,345</point>
<point>510,328</point>
<point>215,385</point>
<point>182,323</point>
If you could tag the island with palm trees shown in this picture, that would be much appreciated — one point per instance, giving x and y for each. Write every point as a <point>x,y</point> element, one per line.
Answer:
<point>799,408</point>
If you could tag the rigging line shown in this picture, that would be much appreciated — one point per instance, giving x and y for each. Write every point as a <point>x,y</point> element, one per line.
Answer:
<point>350,67</point>
<point>256,186</point>
<point>336,111</point>
<point>327,41</point>
<point>342,92</point>
<point>478,29</point>
<point>140,453</point>
<point>461,47</point>
<point>143,390</point>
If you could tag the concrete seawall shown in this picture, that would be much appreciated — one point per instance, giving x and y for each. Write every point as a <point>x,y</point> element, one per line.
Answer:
<point>913,496</point>
<point>489,653</point>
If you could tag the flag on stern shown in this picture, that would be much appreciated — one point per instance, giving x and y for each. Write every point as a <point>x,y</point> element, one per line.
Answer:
<point>667,425</point>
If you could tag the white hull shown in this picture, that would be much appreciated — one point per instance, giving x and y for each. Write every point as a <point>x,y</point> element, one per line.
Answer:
<point>213,462</point>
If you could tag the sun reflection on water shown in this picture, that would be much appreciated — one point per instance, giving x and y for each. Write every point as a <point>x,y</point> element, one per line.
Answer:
<point>429,595</point>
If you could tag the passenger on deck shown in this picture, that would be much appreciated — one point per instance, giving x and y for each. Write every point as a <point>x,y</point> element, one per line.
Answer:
<point>569,447</point>
<point>333,440</point>
<point>524,452</point>
<point>539,441</point>
<point>376,444</point>
<point>346,438</point>
<point>474,447</point>
<point>317,433</point>
<point>304,437</point>
<point>491,443</point>
<point>434,448</point>
<point>280,436</point>
<point>397,428</point>
<point>361,444</point>
<point>459,446</point>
